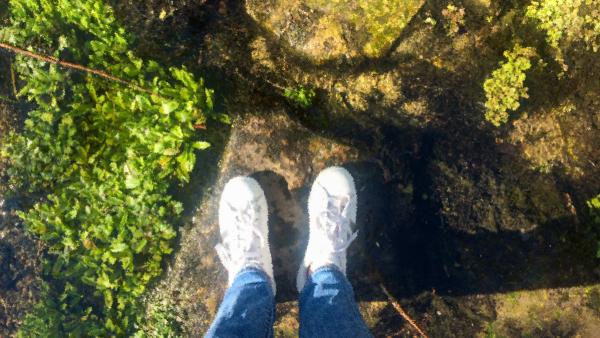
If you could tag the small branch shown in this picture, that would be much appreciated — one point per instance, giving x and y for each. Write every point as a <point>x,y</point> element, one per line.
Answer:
<point>13,81</point>
<point>394,302</point>
<point>401,312</point>
<point>65,64</point>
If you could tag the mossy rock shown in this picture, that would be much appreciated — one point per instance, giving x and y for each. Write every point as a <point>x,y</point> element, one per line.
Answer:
<point>326,30</point>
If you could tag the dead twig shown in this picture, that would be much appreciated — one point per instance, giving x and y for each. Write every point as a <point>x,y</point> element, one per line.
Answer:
<point>65,64</point>
<point>401,312</point>
<point>13,81</point>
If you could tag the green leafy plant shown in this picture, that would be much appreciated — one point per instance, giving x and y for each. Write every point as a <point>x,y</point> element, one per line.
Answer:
<point>102,155</point>
<point>594,205</point>
<point>505,87</point>
<point>161,321</point>
<point>566,21</point>
<point>47,319</point>
<point>301,97</point>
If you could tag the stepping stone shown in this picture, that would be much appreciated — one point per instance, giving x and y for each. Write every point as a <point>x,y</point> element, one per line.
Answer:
<point>285,158</point>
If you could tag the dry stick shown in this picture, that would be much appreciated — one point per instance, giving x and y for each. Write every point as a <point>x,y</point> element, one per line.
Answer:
<point>393,301</point>
<point>66,64</point>
<point>402,313</point>
<point>14,81</point>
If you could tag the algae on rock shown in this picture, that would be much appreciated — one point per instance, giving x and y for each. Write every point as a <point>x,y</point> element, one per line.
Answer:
<point>325,30</point>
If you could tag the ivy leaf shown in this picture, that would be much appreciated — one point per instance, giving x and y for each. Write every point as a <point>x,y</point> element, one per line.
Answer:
<point>167,107</point>
<point>201,145</point>
<point>186,162</point>
<point>132,182</point>
<point>182,115</point>
<point>108,299</point>
<point>209,98</point>
<point>57,267</point>
<point>46,117</point>
<point>140,246</point>
<point>118,247</point>
<point>224,118</point>
<point>104,281</point>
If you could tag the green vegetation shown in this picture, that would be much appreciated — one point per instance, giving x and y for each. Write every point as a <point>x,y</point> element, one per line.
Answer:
<point>568,25</point>
<point>505,87</point>
<point>301,97</point>
<point>594,205</point>
<point>566,21</point>
<point>101,155</point>
<point>161,322</point>
<point>455,19</point>
<point>490,331</point>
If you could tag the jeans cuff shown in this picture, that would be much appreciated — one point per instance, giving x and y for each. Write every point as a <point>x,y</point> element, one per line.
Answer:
<point>253,269</point>
<point>326,268</point>
<point>331,268</point>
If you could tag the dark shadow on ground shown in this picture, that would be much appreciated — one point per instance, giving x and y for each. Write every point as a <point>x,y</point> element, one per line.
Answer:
<point>414,249</point>
<point>405,245</point>
<point>288,224</point>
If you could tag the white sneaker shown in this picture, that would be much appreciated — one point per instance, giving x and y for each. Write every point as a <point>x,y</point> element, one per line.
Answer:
<point>243,217</point>
<point>332,215</point>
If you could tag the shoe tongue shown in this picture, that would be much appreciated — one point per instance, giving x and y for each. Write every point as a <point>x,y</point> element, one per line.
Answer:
<point>337,204</point>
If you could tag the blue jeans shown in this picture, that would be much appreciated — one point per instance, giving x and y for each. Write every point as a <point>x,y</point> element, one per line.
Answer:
<point>327,307</point>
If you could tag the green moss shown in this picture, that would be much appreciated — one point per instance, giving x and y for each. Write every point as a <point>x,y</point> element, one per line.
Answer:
<point>300,96</point>
<point>382,21</point>
<point>490,331</point>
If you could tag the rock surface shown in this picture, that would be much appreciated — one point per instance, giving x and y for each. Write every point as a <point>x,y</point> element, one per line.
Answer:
<point>285,158</point>
<point>324,30</point>
<point>20,252</point>
<point>20,270</point>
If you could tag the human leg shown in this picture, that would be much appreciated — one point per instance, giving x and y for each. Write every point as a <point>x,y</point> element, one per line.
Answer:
<point>328,307</point>
<point>248,306</point>
<point>327,304</point>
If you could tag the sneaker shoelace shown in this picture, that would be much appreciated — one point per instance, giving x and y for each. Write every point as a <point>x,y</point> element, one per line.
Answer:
<point>237,248</point>
<point>336,225</point>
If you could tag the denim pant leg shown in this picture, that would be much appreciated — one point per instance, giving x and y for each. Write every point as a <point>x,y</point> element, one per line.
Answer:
<point>328,307</point>
<point>248,307</point>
